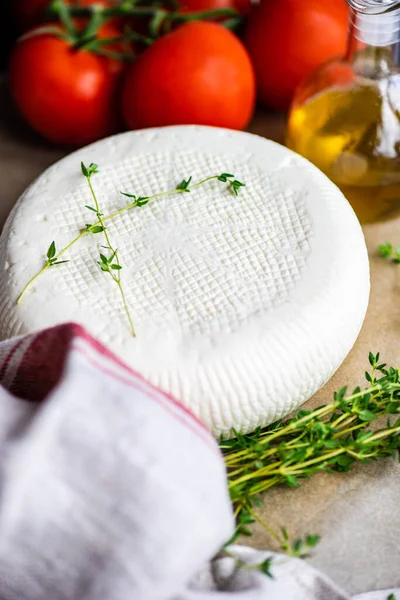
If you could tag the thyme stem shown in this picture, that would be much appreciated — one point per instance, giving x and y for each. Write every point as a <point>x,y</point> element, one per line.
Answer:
<point>104,219</point>
<point>31,282</point>
<point>116,277</point>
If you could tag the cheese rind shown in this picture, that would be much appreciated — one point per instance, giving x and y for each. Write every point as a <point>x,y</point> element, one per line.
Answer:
<point>244,306</point>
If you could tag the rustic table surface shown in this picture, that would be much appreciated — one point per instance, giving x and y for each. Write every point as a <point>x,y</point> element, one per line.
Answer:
<point>357,514</point>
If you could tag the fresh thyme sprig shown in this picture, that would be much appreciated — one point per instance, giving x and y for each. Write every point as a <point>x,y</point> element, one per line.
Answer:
<point>330,438</point>
<point>108,264</point>
<point>300,548</point>
<point>185,184</point>
<point>264,566</point>
<point>387,251</point>
<point>52,259</point>
<point>137,202</point>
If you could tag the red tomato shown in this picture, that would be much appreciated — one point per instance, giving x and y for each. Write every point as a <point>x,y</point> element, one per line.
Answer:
<point>288,39</point>
<point>198,74</point>
<point>69,96</point>
<point>189,6</point>
<point>29,13</point>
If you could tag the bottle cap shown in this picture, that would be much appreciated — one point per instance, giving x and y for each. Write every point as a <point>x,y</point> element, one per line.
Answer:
<point>376,22</point>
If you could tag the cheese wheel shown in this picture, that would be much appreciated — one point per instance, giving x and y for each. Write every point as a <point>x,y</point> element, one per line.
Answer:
<point>244,306</point>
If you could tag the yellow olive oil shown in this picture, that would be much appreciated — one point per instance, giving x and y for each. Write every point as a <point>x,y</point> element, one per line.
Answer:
<point>353,135</point>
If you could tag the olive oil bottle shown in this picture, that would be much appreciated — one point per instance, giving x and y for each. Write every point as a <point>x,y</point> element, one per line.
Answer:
<point>346,117</point>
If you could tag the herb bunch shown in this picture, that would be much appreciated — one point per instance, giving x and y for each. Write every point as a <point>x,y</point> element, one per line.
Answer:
<point>300,548</point>
<point>330,438</point>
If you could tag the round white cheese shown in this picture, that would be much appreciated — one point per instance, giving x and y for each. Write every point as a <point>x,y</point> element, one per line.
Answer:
<point>243,306</point>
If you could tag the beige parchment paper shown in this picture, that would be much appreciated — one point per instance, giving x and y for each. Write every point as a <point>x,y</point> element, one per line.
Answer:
<point>357,514</point>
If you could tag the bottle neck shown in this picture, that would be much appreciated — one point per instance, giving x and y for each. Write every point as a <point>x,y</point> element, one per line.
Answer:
<point>374,42</point>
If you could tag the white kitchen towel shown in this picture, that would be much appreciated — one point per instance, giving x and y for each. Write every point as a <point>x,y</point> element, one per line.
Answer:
<point>111,490</point>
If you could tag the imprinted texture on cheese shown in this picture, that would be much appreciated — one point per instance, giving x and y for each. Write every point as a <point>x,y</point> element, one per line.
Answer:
<point>243,306</point>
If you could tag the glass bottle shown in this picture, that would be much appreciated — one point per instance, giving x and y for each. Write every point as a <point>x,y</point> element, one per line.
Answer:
<point>346,117</point>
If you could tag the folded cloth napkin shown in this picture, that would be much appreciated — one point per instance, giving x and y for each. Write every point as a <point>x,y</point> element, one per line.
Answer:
<point>111,490</point>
